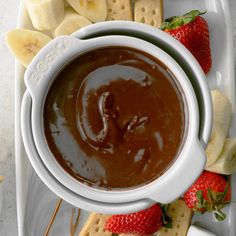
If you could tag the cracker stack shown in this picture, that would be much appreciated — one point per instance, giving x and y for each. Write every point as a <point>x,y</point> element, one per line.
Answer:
<point>119,10</point>
<point>181,218</point>
<point>94,225</point>
<point>149,12</point>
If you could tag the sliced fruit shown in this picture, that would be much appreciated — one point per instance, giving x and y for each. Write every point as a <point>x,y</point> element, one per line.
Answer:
<point>25,44</point>
<point>94,10</point>
<point>71,23</point>
<point>181,217</point>
<point>45,14</point>
<point>222,109</point>
<point>216,143</point>
<point>222,113</point>
<point>226,162</point>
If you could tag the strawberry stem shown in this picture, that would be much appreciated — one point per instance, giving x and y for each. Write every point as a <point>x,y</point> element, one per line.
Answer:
<point>219,215</point>
<point>176,21</point>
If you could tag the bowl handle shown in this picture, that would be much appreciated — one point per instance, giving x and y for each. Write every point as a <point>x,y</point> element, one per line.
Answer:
<point>49,61</point>
<point>175,184</point>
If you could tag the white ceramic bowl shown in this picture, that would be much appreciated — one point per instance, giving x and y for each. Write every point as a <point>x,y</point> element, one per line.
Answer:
<point>41,74</point>
<point>171,185</point>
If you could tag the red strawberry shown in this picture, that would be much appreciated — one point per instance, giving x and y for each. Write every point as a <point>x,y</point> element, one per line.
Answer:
<point>209,193</point>
<point>192,31</point>
<point>147,221</point>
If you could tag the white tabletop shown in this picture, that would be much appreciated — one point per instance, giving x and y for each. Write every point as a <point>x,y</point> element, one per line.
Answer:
<point>8,223</point>
<point>8,15</point>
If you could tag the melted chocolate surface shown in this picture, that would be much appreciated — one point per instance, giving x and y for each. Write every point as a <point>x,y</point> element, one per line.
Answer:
<point>114,118</point>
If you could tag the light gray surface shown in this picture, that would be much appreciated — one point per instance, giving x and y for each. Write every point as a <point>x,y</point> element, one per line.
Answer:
<point>8,224</point>
<point>8,15</point>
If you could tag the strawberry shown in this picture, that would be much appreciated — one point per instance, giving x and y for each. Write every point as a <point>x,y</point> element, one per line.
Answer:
<point>147,221</point>
<point>209,193</point>
<point>192,31</point>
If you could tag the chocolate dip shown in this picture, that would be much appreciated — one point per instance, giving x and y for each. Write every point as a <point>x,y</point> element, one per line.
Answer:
<point>114,118</point>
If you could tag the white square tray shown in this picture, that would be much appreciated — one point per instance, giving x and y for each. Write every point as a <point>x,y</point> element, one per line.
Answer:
<point>35,202</point>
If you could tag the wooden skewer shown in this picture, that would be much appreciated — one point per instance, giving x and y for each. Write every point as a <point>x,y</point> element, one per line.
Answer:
<point>54,214</point>
<point>73,226</point>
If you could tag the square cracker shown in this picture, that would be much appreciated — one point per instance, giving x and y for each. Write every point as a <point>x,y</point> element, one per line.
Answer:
<point>181,217</point>
<point>94,226</point>
<point>149,12</point>
<point>119,10</point>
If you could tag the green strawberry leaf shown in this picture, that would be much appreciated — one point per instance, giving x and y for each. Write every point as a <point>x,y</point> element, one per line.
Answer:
<point>202,204</point>
<point>176,21</point>
<point>199,196</point>
<point>224,194</point>
<point>220,215</point>
<point>215,202</point>
<point>171,19</point>
<point>167,221</point>
<point>194,13</point>
<point>187,20</point>
<point>217,198</point>
<point>164,208</point>
<point>210,195</point>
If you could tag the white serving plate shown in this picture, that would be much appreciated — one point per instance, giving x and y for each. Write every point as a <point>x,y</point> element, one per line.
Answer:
<point>35,202</point>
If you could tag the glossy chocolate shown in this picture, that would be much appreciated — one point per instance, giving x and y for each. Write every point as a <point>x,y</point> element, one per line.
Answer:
<point>114,118</point>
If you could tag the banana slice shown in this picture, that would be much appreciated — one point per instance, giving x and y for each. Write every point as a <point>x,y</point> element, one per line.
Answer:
<point>216,143</point>
<point>71,23</point>
<point>45,14</point>
<point>222,113</point>
<point>222,109</point>
<point>25,44</point>
<point>94,10</point>
<point>226,162</point>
